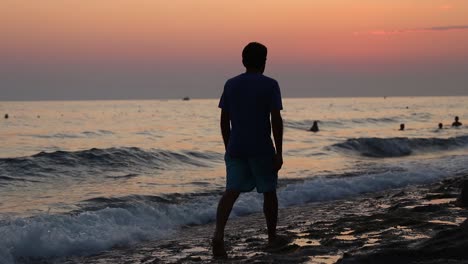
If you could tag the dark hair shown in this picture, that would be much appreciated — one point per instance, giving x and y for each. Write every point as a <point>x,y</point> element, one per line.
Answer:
<point>254,55</point>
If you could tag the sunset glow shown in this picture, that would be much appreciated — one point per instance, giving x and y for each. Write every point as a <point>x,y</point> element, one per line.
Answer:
<point>99,30</point>
<point>342,35</point>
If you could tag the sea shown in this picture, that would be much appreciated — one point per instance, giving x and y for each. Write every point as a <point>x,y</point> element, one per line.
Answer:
<point>81,177</point>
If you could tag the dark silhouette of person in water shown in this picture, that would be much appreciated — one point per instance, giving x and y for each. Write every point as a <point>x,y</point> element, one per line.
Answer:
<point>6,116</point>
<point>402,127</point>
<point>252,161</point>
<point>314,127</point>
<point>441,126</point>
<point>456,123</point>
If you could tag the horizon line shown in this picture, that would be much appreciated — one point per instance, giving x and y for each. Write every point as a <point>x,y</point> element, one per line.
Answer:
<point>213,98</point>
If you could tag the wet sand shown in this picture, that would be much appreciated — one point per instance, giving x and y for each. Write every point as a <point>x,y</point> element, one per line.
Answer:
<point>417,224</point>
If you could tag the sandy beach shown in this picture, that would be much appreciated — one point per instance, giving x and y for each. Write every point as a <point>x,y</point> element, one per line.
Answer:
<point>417,224</point>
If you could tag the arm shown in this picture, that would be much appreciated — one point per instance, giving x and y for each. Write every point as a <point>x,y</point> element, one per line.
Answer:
<point>277,127</point>
<point>225,127</point>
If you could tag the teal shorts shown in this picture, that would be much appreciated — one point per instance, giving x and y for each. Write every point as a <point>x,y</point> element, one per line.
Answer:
<point>245,174</point>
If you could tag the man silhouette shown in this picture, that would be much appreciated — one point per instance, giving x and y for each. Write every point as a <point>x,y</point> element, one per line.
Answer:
<point>252,161</point>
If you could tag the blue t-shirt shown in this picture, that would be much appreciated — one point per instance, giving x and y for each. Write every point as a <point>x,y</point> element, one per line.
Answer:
<point>249,98</point>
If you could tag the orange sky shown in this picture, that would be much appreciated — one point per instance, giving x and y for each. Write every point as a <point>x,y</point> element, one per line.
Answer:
<point>335,30</point>
<point>344,35</point>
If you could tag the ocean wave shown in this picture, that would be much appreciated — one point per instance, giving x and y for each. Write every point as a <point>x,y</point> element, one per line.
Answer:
<point>97,133</point>
<point>59,135</point>
<point>399,146</point>
<point>349,123</point>
<point>127,220</point>
<point>375,120</point>
<point>4,179</point>
<point>306,124</point>
<point>83,134</point>
<point>93,231</point>
<point>345,123</point>
<point>96,161</point>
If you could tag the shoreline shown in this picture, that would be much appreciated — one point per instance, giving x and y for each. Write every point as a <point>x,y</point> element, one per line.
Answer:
<point>403,223</point>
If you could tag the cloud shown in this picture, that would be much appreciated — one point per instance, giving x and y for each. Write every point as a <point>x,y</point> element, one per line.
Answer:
<point>444,28</point>
<point>414,30</point>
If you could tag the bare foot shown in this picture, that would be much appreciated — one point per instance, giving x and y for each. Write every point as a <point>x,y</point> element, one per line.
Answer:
<point>277,242</point>
<point>218,249</point>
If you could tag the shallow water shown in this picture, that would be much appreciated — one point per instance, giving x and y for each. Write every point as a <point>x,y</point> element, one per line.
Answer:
<point>92,174</point>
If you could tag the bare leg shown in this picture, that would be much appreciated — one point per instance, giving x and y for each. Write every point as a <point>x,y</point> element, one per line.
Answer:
<point>270,209</point>
<point>222,214</point>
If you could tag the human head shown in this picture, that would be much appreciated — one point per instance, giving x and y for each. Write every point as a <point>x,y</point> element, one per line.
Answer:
<point>456,118</point>
<point>440,125</point>
<point>254,56</point>
<point>402,126</point>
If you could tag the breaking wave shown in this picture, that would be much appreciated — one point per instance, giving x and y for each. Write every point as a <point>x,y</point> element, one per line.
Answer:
<point>399,146</point>
<point>95,161</point>
<point>107,222</point>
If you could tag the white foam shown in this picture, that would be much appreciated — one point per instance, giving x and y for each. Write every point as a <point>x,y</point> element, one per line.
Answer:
<point>93,231</point>
<point>325,189</point>
<point>408,173</point>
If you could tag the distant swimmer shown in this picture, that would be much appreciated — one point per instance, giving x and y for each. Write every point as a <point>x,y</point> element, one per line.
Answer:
<point>402,127</point>
<point>314,127</point>
<point>456,123</point>
<point>6,116</point>
<point>441,126</point>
